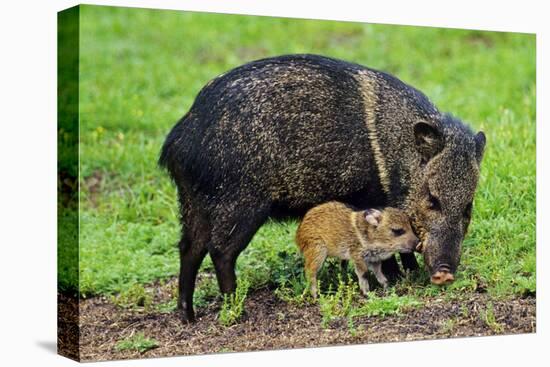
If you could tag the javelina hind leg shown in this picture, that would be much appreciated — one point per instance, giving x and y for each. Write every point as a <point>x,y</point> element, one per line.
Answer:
<point>196,234</point>
<point>230,236</point>
<point>191,255</point>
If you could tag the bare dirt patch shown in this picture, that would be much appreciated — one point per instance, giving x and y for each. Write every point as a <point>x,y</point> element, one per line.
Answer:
<point>270,323</point>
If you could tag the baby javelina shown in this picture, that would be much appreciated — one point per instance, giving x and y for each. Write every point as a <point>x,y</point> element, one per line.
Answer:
<point>366,237</point>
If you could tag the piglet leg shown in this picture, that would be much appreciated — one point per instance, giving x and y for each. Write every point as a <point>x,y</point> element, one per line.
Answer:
<point>377,270</point>
<point>361,270</point>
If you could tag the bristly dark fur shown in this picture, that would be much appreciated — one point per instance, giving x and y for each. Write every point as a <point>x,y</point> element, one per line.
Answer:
<point>277,136</point>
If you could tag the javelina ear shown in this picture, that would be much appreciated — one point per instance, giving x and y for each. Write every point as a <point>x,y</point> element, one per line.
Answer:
<point>480,145</point>
<point>428,140</point>
<point>372,216</point>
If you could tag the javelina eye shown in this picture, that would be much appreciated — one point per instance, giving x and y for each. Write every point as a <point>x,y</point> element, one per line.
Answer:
<point>468,211</point>
<point>434,203</point>
<point>398,231</point>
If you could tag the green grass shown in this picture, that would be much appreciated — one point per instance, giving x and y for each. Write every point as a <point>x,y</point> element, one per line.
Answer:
<point>141,69</point>
<point>134,297</point>
<point>347,302</point>
<point>137,342</point>
<point>488,317</point>
<point>67,252</point>
<point>337,304</point>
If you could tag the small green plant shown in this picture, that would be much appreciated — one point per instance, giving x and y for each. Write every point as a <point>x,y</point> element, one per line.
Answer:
<point>134,297</point>
<point>389,304</point>
<point>167,307</point>
<point>337,304</point>
<point>206,291</point>
<point>449,325</point>
<point>464,311</point>
<point>488,317</point>
<point>354,330</point>
<point>294,290</point>
<point>233,304</point>
<point>526,286</point>
<point>342,304</point>
<point>136,342</point>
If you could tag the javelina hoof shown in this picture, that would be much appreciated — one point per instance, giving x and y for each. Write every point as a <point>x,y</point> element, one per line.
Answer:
<point>186,316</point>
<point>186,319</point>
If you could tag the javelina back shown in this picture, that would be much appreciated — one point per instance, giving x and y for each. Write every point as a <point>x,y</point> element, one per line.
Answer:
<point>277,136</point>
<point>366,237</point>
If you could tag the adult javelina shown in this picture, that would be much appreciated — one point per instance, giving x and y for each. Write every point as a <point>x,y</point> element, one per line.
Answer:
<point>278,136</point>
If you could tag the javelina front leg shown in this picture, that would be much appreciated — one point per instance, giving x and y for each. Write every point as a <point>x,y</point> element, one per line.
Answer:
<point>361,270</point>
<point>390,267</point>
<point>409,261</point>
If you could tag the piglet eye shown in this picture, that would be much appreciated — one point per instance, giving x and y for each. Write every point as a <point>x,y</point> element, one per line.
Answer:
<point>434,203</point>
<point>398,231</point>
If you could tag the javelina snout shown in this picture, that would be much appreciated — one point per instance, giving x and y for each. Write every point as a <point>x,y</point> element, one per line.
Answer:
<point>442,256</point>
<point>442,275</point>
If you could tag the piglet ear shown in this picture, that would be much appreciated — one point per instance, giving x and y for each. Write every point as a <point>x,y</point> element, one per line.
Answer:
<point>373,216</point>
<point>374,212</point>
